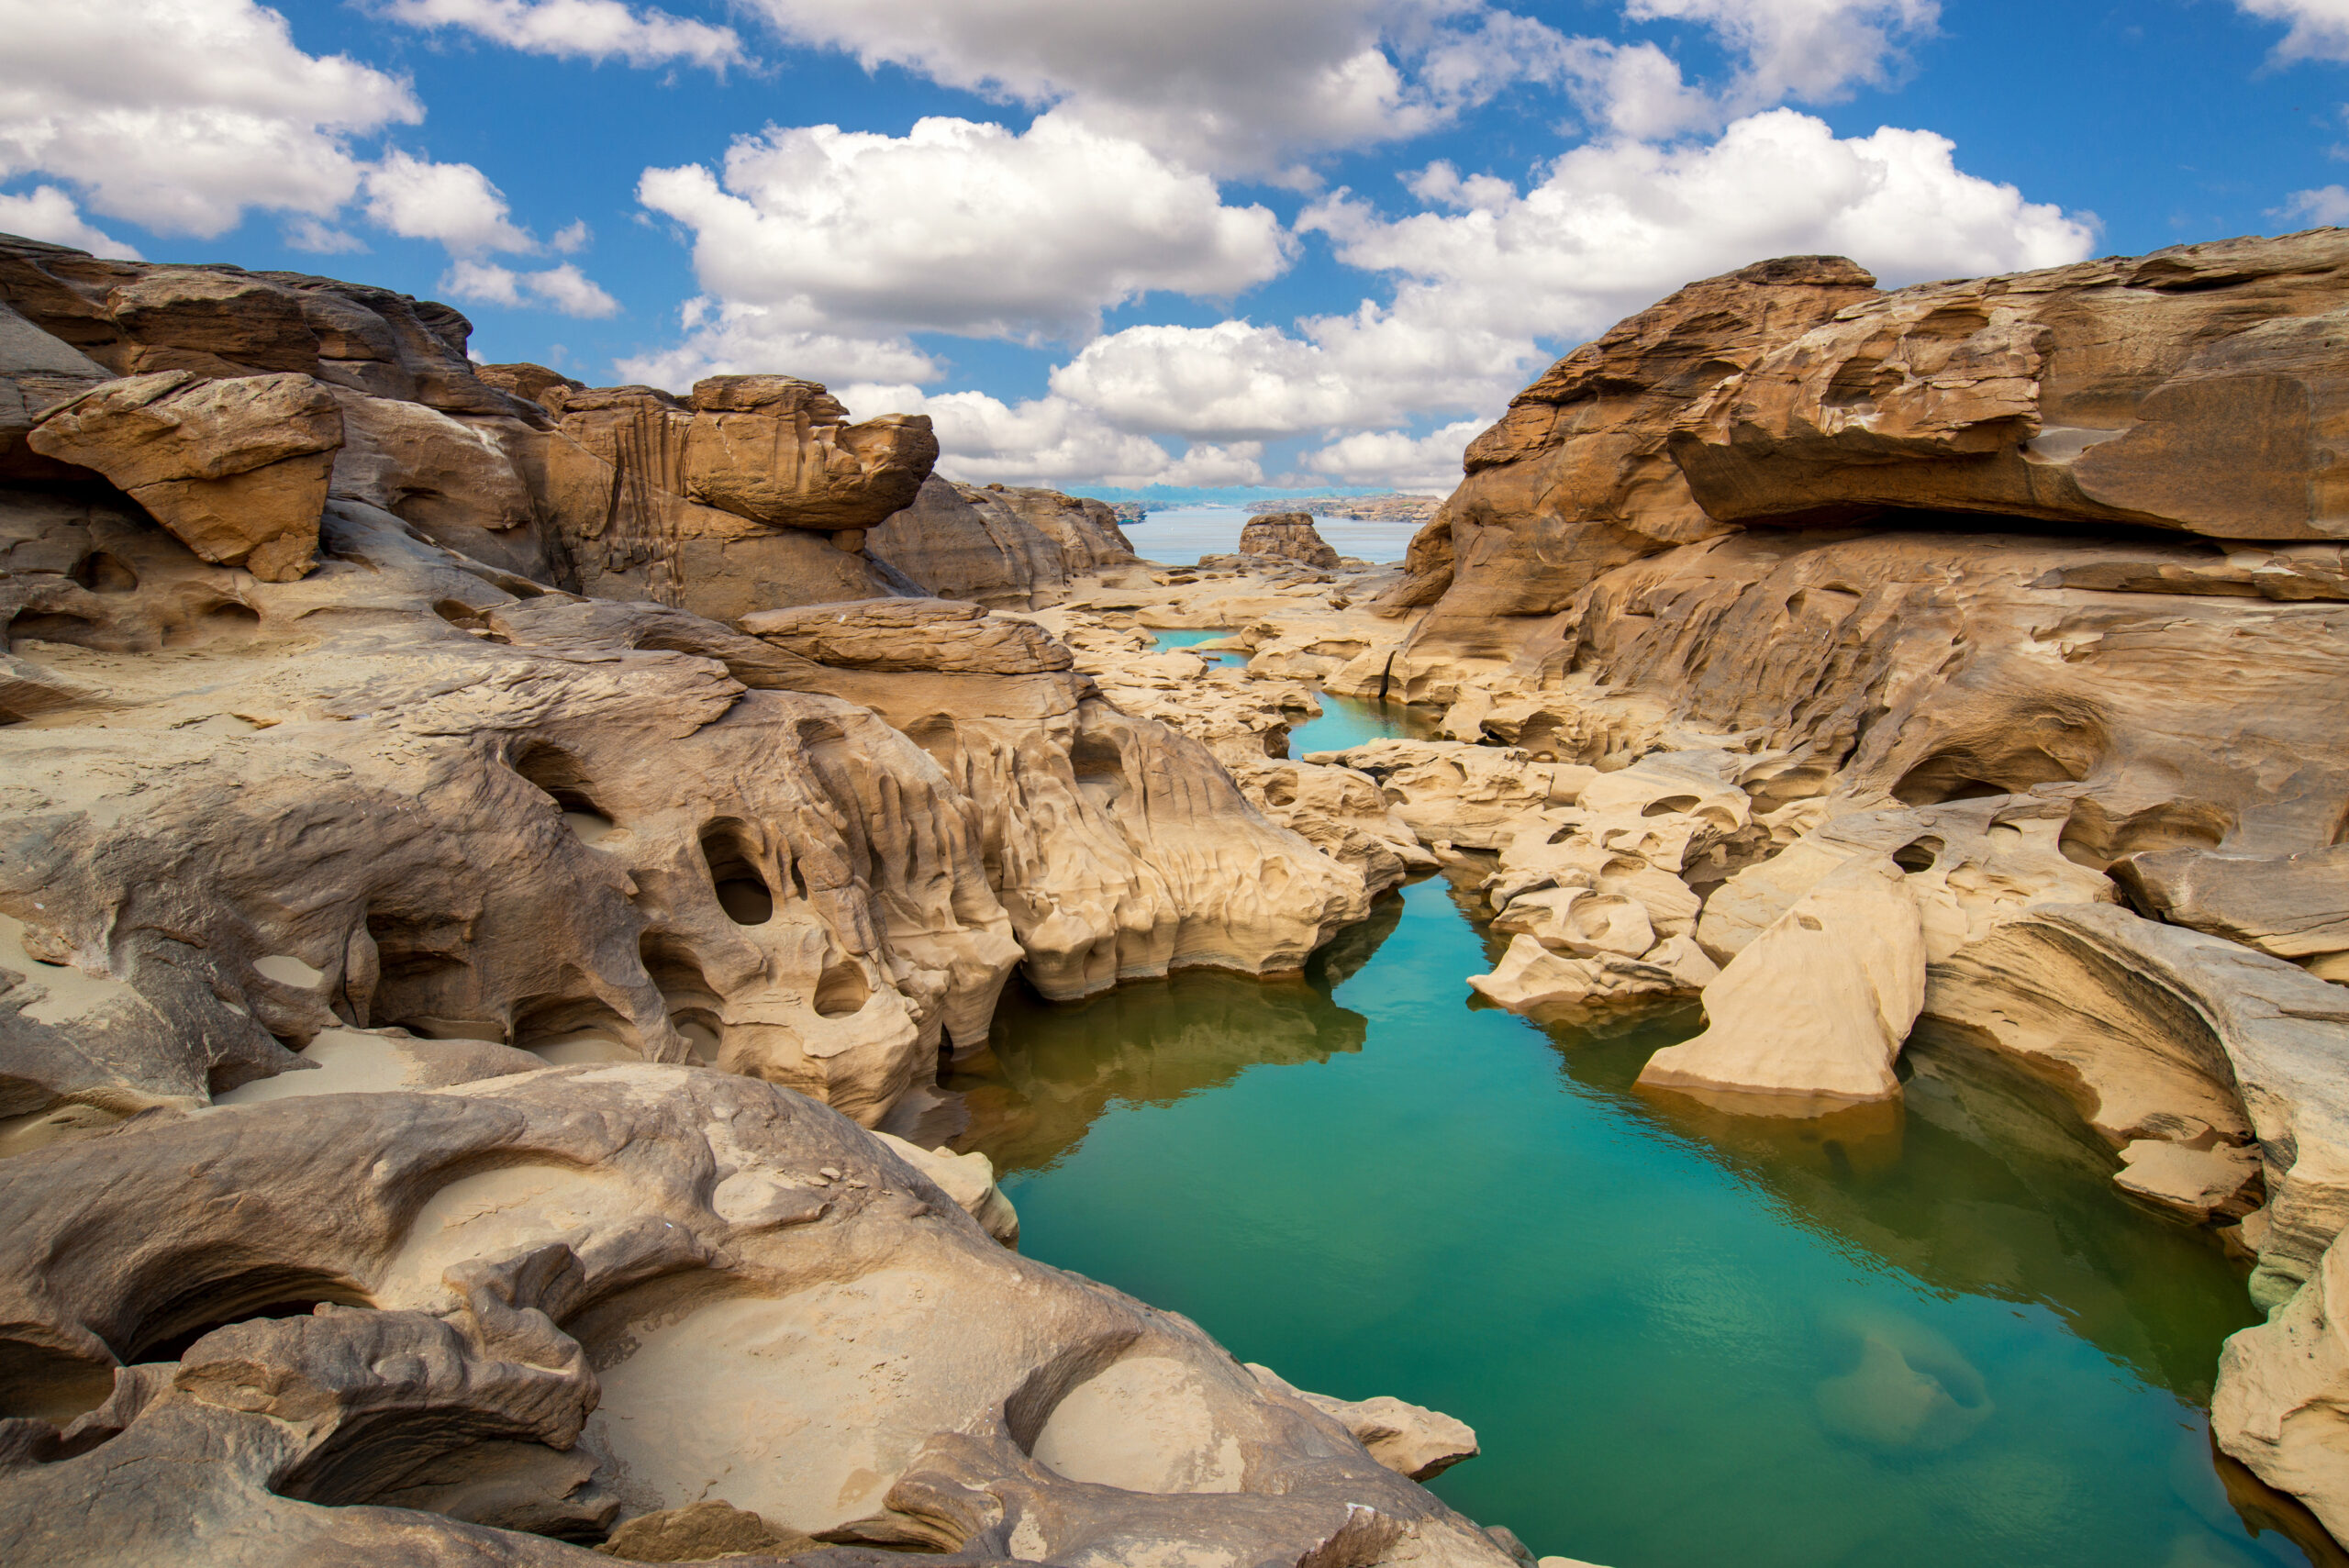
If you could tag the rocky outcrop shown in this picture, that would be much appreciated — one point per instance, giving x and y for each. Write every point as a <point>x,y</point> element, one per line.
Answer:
<point>1085,530</point>
<point>1287,538</point>
<point>471,1325</point>
<point>236,467</point>
<point>954,550</point>
<point>2191,389</point>
<point>1575,479</point>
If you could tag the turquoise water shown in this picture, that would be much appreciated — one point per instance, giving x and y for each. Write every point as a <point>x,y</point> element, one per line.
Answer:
<point>1932,1335</point>
<point>1344,722</point>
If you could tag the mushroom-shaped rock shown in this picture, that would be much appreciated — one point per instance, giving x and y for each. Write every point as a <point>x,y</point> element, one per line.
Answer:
<point>237,469</point>
<point>1818,1006</point>
<point>783,452</point>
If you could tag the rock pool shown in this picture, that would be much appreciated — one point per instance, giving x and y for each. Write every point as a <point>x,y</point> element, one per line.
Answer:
<point>1933,1335</point>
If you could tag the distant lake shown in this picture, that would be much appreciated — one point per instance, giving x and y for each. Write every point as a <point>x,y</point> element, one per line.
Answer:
<point>1180,535</point>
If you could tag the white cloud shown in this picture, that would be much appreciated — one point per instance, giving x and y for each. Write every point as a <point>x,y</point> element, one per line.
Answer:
<point>1228,84</point>
<point>451,202</point>
<point>1239,379</point>
<point>2327,204</point>
<point>1429,464</point>
<point>1614,226</point>
<point>564,288</point>
<point>571,238</point>
<point>1050,440</point>
<point>751,339</point>
<point>579,29</point>
<point>961,226</point>
<point>179,114</point>
<point>1813,51</point>
<point>319,238</point>
<point>2320,28</point>
<point>48,212</point>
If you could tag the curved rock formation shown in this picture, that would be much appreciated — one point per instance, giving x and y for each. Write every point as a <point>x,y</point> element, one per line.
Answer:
<point>462,1326</point>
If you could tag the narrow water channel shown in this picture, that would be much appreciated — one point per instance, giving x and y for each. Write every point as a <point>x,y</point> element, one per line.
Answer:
<point>1934,1337</point>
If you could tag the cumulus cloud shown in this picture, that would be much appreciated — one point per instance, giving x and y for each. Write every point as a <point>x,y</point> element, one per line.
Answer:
<point>579,29</point>
<point>2325,205</point>
<point>1429,463</point>
<point>454,204</point>
<point>2320,29</point>
<point>48,212</point>
<point>961,226</point>
<point>565,289</point>
<point>750,340</point>
<point>1237,379</point>
<point>571,238</point>
<point>1050,440</point>
<point>1231,85</point>
<point>1813,51</point>
<point>180,114</point>
<point>1613,225</point>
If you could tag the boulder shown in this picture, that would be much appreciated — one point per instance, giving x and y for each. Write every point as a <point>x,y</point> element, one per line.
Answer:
<point>2191,389</point>
<point>1405,1439</point>
<point>237,469</point>
<point>1286,538</point>
<point>783,452</point>
<point>1816,1008</point>
<point>699,1532</point>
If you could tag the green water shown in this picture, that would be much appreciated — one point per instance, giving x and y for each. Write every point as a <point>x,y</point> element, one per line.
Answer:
<point>1935,1336</point>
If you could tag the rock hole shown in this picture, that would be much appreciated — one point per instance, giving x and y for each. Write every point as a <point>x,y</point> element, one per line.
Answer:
<point>1671,805</point>
<point>73,630</point>
<point>1808,923</point>
<point>566,1030</point>
<point>702,1036</point>
<point>103,573</point>
<point>742,890</point>
<point>1096,756</point>
<point>229,622</point>
<point>458,614</point>
<point>1919,855</point>
<point>841,991</point>
<point>288,969</point>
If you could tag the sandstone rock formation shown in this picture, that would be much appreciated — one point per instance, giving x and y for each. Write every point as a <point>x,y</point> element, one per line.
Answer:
<point>1576,477</point>
<point>497,947</point>
<point>463,1326</point>
<point>1286,537</point>
<point>2190,389</point>
<point>236,467</point>
<point>1818,1004</point>
<point>988,554</point>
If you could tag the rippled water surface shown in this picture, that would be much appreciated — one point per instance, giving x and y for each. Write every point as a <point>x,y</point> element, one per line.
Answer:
<point>1932,1335</point>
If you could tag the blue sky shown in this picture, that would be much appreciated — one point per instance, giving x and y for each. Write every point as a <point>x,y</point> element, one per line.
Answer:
<point>1117,243</point>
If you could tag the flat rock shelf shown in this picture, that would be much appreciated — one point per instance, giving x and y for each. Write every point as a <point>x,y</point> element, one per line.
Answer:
<point>1929,1333</point>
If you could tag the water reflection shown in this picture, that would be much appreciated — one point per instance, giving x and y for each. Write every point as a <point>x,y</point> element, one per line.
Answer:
<point>1931,1332</point>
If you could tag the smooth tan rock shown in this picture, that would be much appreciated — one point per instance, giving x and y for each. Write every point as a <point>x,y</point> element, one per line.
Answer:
<point>968,1179</point>
<point>2198,1183</point>
<point>1085,530</point>
<point>1819,1005</point>
<point>237,469</point>
<point>2296,906</point>
<point>783,452</point>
